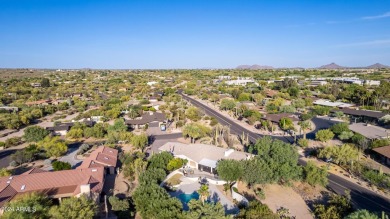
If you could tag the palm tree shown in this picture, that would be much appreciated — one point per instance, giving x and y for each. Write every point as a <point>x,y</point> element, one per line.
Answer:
<point>203,193</point>
<point>132,113</point>
<point>305,125</point>
<point>192,131</point>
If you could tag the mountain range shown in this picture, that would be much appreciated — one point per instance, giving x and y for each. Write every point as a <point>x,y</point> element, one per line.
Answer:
<point>328,66</point>
<point>254,67</point>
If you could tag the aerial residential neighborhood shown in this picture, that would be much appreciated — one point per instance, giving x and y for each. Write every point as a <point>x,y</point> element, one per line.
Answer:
<point>194,109</point>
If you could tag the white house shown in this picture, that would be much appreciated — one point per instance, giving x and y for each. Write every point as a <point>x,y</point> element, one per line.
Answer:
<point>202,156</point>
<point>151,83</point>
<point>241,81</point>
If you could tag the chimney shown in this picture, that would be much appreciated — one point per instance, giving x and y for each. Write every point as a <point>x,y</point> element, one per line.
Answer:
<point>228,152</point>
<point>85,189</point>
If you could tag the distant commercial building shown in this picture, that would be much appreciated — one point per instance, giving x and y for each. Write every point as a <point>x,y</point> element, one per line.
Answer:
<point>347,80</point>
<point>322,102</point>
<point>9,108</point>
<point>372,82</point>
<point>313,83</point>
<point>151,83</point>
<point>35,84</point>
<point>241,81</point>
<point>224,77</point>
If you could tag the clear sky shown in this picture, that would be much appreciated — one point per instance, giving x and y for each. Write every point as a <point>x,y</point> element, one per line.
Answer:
<point>192,33</point>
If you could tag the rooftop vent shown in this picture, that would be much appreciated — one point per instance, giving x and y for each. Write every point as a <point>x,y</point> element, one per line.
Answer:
<point>228,152</point>
<point>23,187</point>
<point>8,182</point>
<point>94,170</point>
<point>10,177</point>
<point>106,158</point>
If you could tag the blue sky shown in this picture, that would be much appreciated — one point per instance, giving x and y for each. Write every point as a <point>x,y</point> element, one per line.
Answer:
<point>192,33</point>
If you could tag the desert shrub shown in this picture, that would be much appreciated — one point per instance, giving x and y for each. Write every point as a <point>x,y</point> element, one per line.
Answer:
<point>303,142</point>
<point>13,163</point>
<point>179,123</point>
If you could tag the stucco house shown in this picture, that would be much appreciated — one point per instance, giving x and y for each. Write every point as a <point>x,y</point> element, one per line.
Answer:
<point>146,118</point>
<point>203,157</point>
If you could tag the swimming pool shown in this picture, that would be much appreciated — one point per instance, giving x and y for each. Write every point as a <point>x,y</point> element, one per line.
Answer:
<point>185,198</point>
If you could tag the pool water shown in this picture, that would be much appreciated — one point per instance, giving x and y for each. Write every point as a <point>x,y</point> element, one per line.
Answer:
<point>185,198</point>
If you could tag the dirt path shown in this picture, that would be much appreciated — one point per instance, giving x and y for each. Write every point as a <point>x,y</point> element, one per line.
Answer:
<point>277,196</point>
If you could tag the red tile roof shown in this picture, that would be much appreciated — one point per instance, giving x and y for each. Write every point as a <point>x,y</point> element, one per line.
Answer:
<point>385,151</point>
<point>34,170</point>
<point>6,194</point>
<point>60,183</point>
<point>51,183</point>
<point>101,156</point>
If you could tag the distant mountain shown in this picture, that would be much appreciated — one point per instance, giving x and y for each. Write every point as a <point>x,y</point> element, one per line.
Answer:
<point>378,65</point>
<point>332,66</point>
<point>254,67</point>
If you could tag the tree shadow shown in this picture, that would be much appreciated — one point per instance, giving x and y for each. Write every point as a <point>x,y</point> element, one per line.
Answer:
<point>248,196</point>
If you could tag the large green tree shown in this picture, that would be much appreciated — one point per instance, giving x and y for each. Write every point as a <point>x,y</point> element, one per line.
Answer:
<point>175,164</point>
<point>35,133</point>
<point>227,104</point>
<point>140,141</point>
<point>337,207</point>
<point>193,113</point>
<point>339,128</point>
<point>53,146</point>
<point>286,123</point>
<point>230,170</point>
<point>343,155</point>
<point>118,204</point>
<point>257,210</point>
<point>315,175</point>
<point>154,202</point>
<point>36,205</point>
<point>362,214</point>
<point>152,176</point>
<point>74,208</point>
<point>160,160</point>
<point>118,126</point>
<point>59,165</point>
<point>45,82</point>
<point>199,210</point>
<point>195,131</point>
<point>278,159</point>
<point>255,172</point>
<point>324,135</point>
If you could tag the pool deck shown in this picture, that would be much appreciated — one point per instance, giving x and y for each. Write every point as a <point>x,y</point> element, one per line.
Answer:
<point>188,186</point>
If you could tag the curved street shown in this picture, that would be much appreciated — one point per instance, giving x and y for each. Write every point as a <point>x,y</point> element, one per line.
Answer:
<point>360,197</point>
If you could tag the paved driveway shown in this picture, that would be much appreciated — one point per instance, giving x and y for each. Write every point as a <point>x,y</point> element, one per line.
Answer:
<point>70,157</point>
<point>159,140</point>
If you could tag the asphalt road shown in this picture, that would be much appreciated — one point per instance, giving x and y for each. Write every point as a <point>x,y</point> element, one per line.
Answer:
<point>5,157</point>
<point>234,127</point>
<point>361,197</point>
